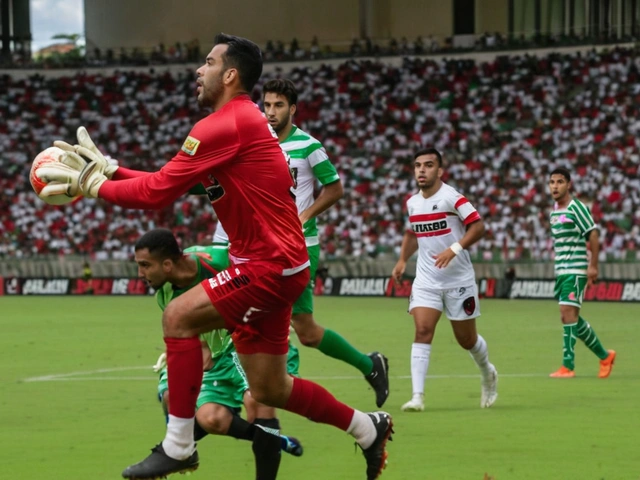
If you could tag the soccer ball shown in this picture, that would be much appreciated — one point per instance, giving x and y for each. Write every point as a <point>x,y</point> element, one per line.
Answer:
<point>50,155</point>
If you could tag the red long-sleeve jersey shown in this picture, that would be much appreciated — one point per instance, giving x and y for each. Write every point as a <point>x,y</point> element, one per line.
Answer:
<point>235,155</point>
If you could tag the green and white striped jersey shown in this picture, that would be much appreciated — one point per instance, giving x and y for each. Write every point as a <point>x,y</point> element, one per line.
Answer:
<point>569,229</point>
<point>309,161</point>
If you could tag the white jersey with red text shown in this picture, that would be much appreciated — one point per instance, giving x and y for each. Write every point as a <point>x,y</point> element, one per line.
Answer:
<point>438,222</point>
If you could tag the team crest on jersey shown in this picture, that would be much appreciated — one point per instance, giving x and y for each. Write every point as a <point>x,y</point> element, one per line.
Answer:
<point>560,219</point>
<point>190,145</point>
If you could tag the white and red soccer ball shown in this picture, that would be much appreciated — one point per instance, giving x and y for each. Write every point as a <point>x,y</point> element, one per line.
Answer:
<point>50,155</point>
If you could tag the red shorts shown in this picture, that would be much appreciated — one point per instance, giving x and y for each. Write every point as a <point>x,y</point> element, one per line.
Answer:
<point>255,301</point>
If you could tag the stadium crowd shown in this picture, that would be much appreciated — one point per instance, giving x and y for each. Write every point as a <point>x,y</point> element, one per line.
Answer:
<point>501,126</point>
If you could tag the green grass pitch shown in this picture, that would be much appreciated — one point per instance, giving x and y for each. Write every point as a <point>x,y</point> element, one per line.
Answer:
<point>77,395</point>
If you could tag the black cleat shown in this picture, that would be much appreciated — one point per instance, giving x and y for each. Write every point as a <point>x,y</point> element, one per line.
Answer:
<point>379,377</point>
<point>376,455</point>
<point>159,465</point>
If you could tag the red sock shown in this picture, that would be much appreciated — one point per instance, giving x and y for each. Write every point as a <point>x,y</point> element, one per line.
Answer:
<point>184,373</point>
<point>314,402</point>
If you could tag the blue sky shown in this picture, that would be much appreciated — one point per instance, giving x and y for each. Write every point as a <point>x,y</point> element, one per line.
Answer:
<point>49,17</point>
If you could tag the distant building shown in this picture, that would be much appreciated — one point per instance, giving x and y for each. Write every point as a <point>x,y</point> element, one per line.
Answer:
<point>59,48</point>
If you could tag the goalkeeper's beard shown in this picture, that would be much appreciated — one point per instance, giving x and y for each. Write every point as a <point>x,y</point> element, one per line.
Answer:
<point>209,95</point>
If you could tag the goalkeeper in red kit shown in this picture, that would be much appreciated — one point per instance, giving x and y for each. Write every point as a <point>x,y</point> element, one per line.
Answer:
<point>234,154</point>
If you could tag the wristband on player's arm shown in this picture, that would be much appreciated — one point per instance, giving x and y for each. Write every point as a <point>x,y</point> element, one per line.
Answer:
<point>456,248</point>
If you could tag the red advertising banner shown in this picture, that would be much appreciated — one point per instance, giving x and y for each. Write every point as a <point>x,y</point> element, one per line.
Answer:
<point>74,286</point>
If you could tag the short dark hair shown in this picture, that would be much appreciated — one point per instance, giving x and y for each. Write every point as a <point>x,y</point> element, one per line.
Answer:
<point>244,55</point>
<point>282,86</point>
<point>161,243</point>
<point>561,171</point>
<point>429,151</point>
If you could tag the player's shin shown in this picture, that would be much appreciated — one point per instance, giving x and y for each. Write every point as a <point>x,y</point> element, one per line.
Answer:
<point>314,402</point>
<point>241,429</point>
<point>569,338</point>
<point>335,346</point>
<point>198,432</point>
<point>480,354</point>
<point>590,339</point>
<point>184,369</point>
<point>267,448</point>
<point>420,353</point>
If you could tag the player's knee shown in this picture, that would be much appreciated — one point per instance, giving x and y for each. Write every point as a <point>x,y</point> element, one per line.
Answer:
<point>172,323</point>
<point>309,340</point>
<point>267,395</point>
<point>213,422</point>
<point>308,331</point>
<point>261,394</point>
<point>568,315</point>
<point>424,335</point>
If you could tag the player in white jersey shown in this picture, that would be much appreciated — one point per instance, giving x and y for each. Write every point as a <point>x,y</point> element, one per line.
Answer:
<point>310,164</point>
<point>442,225</point>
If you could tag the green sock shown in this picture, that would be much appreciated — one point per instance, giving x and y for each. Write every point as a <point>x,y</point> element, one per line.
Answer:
<point>333,345</point>
<point>568,345</point>
<point>590,339</point>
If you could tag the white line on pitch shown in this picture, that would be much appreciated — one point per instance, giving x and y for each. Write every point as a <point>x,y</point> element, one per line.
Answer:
<point>85,376</point>
<point>60,376</point>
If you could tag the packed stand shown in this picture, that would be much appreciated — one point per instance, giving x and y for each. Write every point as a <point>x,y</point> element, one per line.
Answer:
<point>502,127</point>
<point>72,54</point>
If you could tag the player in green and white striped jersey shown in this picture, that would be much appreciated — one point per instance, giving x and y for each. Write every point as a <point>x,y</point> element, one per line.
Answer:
<point>310,164</point>
<point>572,227</point>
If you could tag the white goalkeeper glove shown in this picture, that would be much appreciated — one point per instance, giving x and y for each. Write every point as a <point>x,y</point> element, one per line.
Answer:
<point>64,178</point>
<point>69,181</point>
<point>72,160</point>
<point>108,166</point>
<point>91,178</point>
<point>161,363</point>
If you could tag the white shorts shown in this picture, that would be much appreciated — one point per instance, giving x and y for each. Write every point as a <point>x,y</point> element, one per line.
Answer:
<point>460,303</point>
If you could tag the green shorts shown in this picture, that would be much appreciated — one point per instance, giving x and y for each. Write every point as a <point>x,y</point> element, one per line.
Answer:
<point>304,304</point>
<point>569,289</point>
<point>226,382</point>
<point>293,361</point>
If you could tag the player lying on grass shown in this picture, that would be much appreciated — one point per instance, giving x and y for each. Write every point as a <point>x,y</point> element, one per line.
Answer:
<point>224,385</point>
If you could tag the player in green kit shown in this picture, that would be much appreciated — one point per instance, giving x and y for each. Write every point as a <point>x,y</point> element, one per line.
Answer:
<point>310,164</point>
<point>572,227</point>
<point>224,385</point>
